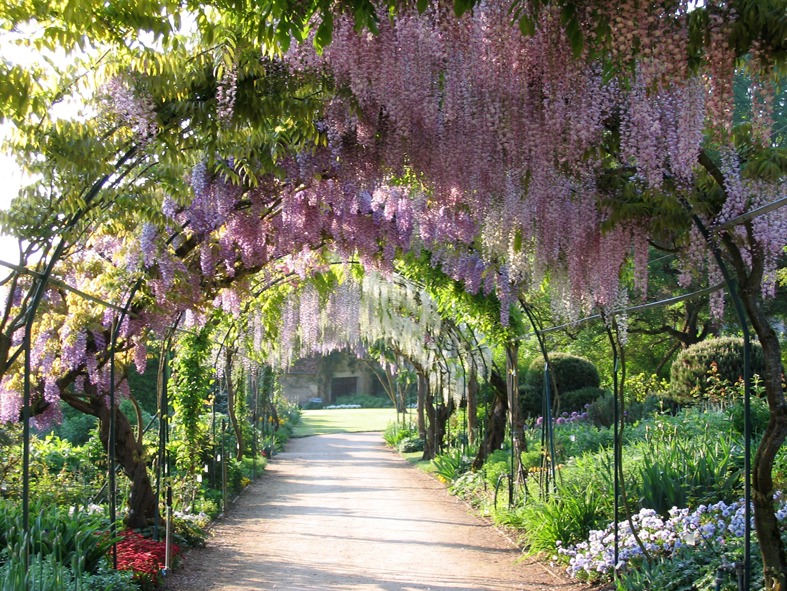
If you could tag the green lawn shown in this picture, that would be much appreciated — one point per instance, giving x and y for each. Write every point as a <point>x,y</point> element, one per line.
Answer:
<point>343,420</point>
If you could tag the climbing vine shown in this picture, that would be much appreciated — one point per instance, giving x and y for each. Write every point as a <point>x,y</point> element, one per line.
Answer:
<point>190,388</point>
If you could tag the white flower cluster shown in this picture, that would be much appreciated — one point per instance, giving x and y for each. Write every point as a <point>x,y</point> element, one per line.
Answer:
<point>376,308</point>
<point>718,525</point>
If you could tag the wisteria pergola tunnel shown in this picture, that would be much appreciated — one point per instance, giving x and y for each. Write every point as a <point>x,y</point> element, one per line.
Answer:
<point>406,179</point>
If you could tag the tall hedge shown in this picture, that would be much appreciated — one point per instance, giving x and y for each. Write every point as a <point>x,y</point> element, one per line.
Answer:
<point>691,370</point>
<point>571,373</point>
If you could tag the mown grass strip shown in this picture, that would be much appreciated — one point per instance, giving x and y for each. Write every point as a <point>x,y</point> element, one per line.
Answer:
<point>343,420</point>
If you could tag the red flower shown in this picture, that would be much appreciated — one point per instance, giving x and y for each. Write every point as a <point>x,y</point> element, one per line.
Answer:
<point>143,556</point>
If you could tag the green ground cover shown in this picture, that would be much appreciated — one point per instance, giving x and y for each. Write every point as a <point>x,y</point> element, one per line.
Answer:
<point>343,420</point>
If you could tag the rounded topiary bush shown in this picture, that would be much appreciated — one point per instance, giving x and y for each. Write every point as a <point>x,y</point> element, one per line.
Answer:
<point>571,373</point>
<point>693,377</point>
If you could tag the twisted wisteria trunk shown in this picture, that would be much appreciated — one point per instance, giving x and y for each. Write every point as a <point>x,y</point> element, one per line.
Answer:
<point>767,527</point>
<point>496,423</point>
<point>129,454</point>
<point>231,400</point>
<point>443,412</point>
<point>472,406</point>
<point>430,447</point>
<point>749,263</point>
<point>420,410</point>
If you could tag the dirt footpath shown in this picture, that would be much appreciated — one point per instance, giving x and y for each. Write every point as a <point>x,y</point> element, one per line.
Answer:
<point>343,512</point>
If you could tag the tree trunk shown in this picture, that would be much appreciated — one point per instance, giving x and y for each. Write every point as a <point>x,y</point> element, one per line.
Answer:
<point>231,405</point>
<point>766,525</point>
<point>442,413</point>
<point>430,441</point>
<point>401,403</point>
<point>142,503</point>
<point>496,424</point>
<point>512,385</point>
<point>422,387</point>
<point>472,406</point>
<point>273,414</point>
<point>138,413</point>
<point>749,276</point>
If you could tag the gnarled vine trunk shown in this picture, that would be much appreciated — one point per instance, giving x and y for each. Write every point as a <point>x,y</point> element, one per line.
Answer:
<point>472,405</point>
<point>129,454</point>
<point>512,386</point>
<point>430,448</point>
<point>496,423</point>
<point>765,522</point>
<point>231,400</point>
<point>443,412</point>
<point>423,385</point>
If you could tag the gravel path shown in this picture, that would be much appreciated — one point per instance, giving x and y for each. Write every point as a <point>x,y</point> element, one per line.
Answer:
<point>343,512</point>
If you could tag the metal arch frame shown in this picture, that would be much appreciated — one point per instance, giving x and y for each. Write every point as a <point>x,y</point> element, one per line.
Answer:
<point>44,278</point>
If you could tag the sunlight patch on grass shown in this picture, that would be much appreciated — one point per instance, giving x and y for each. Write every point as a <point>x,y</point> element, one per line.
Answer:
<point>343,420</point>
<point>414,458</point>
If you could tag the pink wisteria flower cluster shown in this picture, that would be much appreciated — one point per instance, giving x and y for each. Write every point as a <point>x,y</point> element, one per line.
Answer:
<point>505,130</point>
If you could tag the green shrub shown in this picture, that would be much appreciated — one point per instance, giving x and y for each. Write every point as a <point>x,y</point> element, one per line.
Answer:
<point>570,373</point>
<point>760,414</point>
<point>189,530</point>
<point>691,422</point>
<point>209,503</point>
<point>677,572</point>
<point>497,463</point>
<point>780,469</point>
<point>253,466</point>
<point>236,479</point>
<point>65,547</point>
<point>567,518</point>
<point>449,466</point>
<point>396,432</point>
<point>531,459</point>
<point>574,439</point>
<point>592,472</point>
<point>46,573</point>
<point>470,487</point>
<point>601,411</point>
<point>579,400</point>
<point>76,426</point>
<point>60,473</point>
<point>709,370</point>
<point>641,386</point>
<point>289,412</point>
<point>410,445</point>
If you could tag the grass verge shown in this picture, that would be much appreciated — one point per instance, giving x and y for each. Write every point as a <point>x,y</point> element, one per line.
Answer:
<point>343,420</point>
<point>414,458</point>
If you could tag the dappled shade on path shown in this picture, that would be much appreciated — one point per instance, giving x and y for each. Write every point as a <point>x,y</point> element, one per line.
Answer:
<point>341,511</point>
